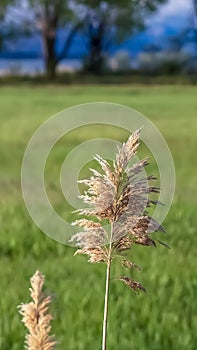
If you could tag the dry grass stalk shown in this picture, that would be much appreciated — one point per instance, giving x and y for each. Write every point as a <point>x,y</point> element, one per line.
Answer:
<point>121,195</point>
<point>37,318</point>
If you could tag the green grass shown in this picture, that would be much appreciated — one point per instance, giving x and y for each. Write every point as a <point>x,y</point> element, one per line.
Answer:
<point>166,317</point>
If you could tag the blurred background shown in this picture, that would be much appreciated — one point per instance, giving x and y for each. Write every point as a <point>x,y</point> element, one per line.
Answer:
<point>153,37</point>
<point>57,54</point>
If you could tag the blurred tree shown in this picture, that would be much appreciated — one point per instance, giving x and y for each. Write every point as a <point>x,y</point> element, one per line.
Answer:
<point>184,43</point>
<point>113,19</point>
<point>50,15</point>
<point>195,6</point>
<point>3,8</point>
<point>102,20</point>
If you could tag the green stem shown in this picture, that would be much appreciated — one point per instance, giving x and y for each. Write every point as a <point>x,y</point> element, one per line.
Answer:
<point>105,316</point>
<point>106,303</point>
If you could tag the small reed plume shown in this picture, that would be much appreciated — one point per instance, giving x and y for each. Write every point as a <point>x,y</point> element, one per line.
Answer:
<point>119,194</point>
<point>37,318</point>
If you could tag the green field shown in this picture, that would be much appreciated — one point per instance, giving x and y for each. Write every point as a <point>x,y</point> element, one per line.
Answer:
<point>163,319</point>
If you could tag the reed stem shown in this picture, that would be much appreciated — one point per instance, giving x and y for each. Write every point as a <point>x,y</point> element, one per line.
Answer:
<point>106,303</point>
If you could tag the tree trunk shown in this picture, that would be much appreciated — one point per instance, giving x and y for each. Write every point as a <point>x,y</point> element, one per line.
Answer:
<point>95,59</point>
<point>49,22</point>
<point>50,55</point>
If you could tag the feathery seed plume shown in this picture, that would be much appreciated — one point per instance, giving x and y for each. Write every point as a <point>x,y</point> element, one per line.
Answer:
<point>121,195</point>
<point>37,318</point>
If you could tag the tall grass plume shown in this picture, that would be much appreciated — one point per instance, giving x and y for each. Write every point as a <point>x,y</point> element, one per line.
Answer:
<point>121,195</point>
<point>36,317</point>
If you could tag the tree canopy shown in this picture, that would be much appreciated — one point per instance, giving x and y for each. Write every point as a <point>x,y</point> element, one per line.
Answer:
<point>113,20</point>
<point>102,22</point>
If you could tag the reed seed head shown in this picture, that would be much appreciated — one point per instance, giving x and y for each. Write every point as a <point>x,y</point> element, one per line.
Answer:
<point>120,194</point>
<point>36,317</point>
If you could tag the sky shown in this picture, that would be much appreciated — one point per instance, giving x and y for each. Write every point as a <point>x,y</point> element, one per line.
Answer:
<point>175,6</point>
<point>163,25</point>
<point>174,12</point>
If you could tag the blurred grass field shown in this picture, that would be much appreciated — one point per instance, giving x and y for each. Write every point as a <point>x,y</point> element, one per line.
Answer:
<point>166,318</point>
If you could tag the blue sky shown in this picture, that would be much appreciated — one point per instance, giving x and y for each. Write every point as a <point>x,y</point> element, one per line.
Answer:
<point>168,21</point>
<point>175,14</point>
<point>175,6</point>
